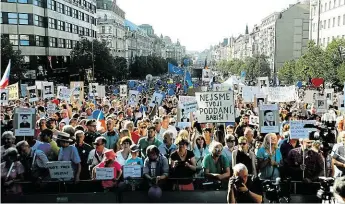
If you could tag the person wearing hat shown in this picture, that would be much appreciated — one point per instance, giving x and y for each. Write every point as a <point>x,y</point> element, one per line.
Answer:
<point>97,155</point>
<point>69,153</point>
<point>135,159</point>
<point>109,162</point>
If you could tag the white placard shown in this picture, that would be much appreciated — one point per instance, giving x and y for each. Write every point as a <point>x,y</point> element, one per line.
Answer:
<point>123,90</point>
<point>157,98</point>
<point>48,89</point>
<point>248,93</point>
<point>24,121</point>
<point>206,75</point>
<point>204,88</point>
<point>254,120</point>
<point>215,107</point>
<point>51,108</point>
<point>101,91</point>
<point>269,118</point>
<point>341,102</point>
<point>183,125</point>
<point>310,96</point>
<point>297,129</point>
<point>104,173</point>
<point>321,105</point>
<point>133,97</point>
<point>280,94</point>
<point>13,91</point>
<point>32,92</point>
<point>4,97</point>
<point>133,171</point>
<point>76,90</point>
<point>64,93</point>
<point>217,87</point>
<point>263,82</point>
<point>93,88</point>
<point>60,169</point>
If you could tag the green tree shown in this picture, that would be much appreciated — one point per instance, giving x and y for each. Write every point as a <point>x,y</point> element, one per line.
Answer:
<point>256,66</point>
<point>17,61</point>
<point>287,72</point>
<point>88,54</point>
<point>121,68</point>
<point>335,53</point>
<point>314,63</point>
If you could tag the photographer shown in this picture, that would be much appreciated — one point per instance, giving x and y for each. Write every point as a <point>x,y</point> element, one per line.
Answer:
<point>238,192</point>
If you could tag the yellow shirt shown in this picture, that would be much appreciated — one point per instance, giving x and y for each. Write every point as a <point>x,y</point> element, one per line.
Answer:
<point>54,147</point>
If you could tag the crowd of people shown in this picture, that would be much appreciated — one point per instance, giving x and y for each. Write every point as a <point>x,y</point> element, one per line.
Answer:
<point>150,137</point>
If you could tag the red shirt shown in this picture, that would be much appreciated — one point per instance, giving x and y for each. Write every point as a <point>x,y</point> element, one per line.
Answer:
<point>117,167</point>
<point>135,137</point>
<point>55,101</point>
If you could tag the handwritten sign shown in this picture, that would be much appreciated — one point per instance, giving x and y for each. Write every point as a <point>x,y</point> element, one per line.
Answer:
<point>215,107</point>
<point>297,129</point>
<point>104,173</point>
<point>280,94</point>
<point>13,91</point>
<point>51,108</point>
<point>133,171</point>
<point>60,169</point>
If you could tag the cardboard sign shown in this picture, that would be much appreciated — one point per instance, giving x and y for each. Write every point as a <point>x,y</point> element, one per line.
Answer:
<point>48,89</point>
<point>280,94</point>
<point>51,108</point>
<point>133,171</point>
<point>4,97</point>
<point>215,107</point>
<point>24,121</point>
<point>104,173</point>
<point>33,94</point>
<point>77,90</point>
<point>297,129</point>
<point>13,91</point>
<point>123,90</point>
<point>60,169</point>
<point>93,89</point>
<point>269,118</point>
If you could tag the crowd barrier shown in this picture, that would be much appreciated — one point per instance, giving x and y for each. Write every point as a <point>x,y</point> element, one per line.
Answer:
<point>90,191</point>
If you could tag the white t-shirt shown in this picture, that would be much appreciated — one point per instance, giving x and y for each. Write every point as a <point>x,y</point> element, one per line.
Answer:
<point>120,159</point>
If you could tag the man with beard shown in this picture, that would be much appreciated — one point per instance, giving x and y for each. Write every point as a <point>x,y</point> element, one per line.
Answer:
<point>242,126</point>
<point>149,140</point>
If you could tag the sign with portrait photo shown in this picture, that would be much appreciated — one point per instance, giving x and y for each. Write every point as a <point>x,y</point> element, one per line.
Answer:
<point>254,120</point>
<point>77,90</point>
<point>93,89</point>
<point>4,97</point>
<point>260,99</point>
<point>206,75</point>
<point>24,121</point>
<point>48,89</point>
<point>123,90</point>
<point>341,102</point>
<point>156,99</point>
<point>215,107</point>
<point>310,96</point>
<point>263,82</point>
<point>32,93</point>
<point>23,90</point>
<point>269,118</point>
<point>217,87</point>
<point>13,91</point>
<point>133,97</point>
<point>321,105</point>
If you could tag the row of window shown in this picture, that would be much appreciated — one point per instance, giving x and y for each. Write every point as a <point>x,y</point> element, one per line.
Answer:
<point>64,9</point>
<point>71,28</point>
<point>328,6</point>
<point>41,41</point>
<point>328,24</point>
<point>329,40</point>
<point>29,19</point>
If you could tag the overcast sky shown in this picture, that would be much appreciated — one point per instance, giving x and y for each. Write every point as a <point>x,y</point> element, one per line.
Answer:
<point>200,23</point>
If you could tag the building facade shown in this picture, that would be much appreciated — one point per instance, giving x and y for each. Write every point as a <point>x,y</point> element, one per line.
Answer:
<point>111,26</point>
<point>47,31</point>
<point>327,21</point>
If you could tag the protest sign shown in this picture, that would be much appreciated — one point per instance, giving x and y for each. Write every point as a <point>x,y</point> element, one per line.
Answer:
<point>4,96</point>
<point>51,108</point>
<point>263,82</point>
<point>269,118</point>
<point>23,90</point>
<point>133,171</point>
<point>24,121</point>
<point>254,120</point>
<point>101,91</point>
<point>156,99</point>
<point>206,75</point>
<point>248,93</point>
<point>48,89</point>
<point>13,91</point>
<point>60,170</point>
<point>63,93</point>
<point>187,104</point>
<point>280,94</point>
<point>298,130</point>
<point>104,173</point>
<point>93,89</point>
<point>77,90</point>
<point>32,92</point>
<point>133,97</point>
<point>215,107</point>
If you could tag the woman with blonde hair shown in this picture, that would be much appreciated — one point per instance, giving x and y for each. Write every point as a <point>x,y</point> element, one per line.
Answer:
<point>123,133</point>
<point>269,157</point>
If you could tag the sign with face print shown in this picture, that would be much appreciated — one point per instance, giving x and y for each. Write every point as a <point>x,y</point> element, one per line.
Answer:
<point>32,93</point>
<point>77,90</point>
<point>93,89</point>
<point>269,118</point>
<point>123,90</point>
<point>48,89</point>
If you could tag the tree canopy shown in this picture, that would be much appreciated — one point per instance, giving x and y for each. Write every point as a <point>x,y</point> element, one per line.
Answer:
<point>17,61</point>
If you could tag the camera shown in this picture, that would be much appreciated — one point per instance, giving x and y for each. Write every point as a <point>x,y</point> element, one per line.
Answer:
<point>325,191</point>
<point>277,192</point>
<point>238,181</point>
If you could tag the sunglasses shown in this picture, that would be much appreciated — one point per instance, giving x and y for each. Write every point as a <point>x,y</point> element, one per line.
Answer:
<point>143,127</point>
<point>156,123</point>
<point>243,143</point>
<point>93,125</point>
<point>230,141</point>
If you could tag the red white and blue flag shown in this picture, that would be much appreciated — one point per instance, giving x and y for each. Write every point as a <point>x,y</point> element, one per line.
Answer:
<point>6,77</point>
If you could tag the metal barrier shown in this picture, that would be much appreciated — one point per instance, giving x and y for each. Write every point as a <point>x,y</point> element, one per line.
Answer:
<point>91,191</point>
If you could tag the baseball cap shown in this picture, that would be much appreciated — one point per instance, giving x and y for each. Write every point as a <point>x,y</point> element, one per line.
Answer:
<point>134,148</point>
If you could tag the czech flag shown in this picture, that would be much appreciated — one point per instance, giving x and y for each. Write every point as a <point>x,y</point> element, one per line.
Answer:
<point>6,77</point>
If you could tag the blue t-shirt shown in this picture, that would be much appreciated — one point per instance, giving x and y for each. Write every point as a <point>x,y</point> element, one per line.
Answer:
<point>266,172</point>
<point>137,160</point>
